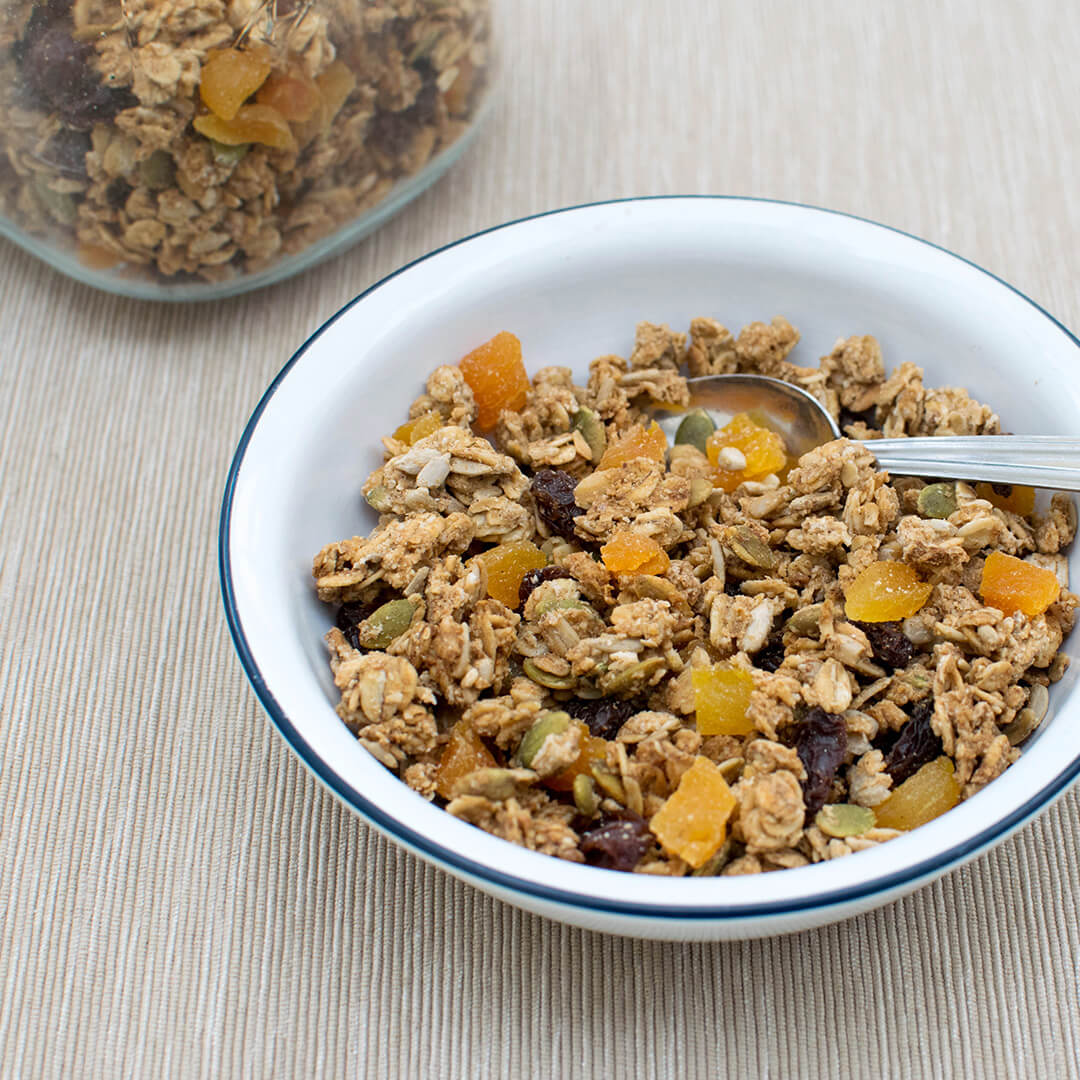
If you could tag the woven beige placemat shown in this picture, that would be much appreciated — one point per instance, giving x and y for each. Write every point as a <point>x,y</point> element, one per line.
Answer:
<point>179,898</point>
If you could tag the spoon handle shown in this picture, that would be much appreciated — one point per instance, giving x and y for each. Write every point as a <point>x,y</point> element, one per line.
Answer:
<point>1043,461</point>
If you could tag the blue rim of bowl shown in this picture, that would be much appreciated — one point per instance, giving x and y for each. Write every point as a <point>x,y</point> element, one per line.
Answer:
<point>446,856</point>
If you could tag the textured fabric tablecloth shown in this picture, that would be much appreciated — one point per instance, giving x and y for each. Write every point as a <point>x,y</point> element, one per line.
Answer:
<point>180,898</point>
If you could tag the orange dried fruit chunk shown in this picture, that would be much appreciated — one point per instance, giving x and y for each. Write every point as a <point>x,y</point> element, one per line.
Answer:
<point>1012,585</point>
<point>1015,498</point>
<point>97,258</point>
<point>252,123</point>
<point>293,93</point>
<point>496,375</point>
<point>636,442</point>
<point>634,553</point>
<point>761,449</point>
<point>506,565</point>
<point>885,592</point>
<point>463,754</point>
<point>229,77</point>
<point>415,430</point>
<point>721,697</point>
<point>335,84</point>
<point>920,798</point>
<point>693,822</point>
<point>457,96</point>
<point>593,751</point>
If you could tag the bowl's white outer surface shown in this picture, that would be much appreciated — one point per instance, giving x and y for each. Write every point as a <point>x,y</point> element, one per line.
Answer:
<point>572,285</point>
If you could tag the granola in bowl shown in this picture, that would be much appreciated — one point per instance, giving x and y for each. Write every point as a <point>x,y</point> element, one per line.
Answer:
<point>704,658</point>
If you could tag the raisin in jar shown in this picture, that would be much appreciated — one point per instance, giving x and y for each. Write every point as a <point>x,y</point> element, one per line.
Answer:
<point>187,149</point>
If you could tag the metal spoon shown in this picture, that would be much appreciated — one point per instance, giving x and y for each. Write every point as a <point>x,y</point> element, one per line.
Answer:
<point>1044,461</point>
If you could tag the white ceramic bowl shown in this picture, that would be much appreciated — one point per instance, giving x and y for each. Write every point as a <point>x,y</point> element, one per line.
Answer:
<point>571,285</point>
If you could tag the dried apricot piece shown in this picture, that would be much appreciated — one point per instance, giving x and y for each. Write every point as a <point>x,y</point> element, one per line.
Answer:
<point>636,442</point>
<point>721,697</point>
<point>693,822</point>
<point>97,258</point>
<point>921,798</point>
<point>884,592</point>
<point>228,78</point>
<point>496,375</point>
<point>593,751</point>
<point>252,123</point>
<point>456,95</point>
<point>634,553</point>
<point>1012,585</point>
<point>1012,497</point>
<point>293,93</point>
<point>464,753</point>
<point>506,565</point>
<point>742,450</point>
<point>415,430</point>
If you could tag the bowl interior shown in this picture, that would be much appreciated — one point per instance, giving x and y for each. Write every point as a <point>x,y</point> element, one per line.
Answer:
<point>571,286</point>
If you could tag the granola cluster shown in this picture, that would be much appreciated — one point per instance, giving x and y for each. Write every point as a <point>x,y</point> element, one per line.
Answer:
<point>567,715</point>
<point>112,148</point>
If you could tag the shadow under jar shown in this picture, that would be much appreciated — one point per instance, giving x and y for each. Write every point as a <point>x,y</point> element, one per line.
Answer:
<point>191,149</point>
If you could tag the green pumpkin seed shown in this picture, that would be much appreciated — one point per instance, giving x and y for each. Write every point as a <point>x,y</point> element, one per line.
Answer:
<point>805,620</point>
<point>635,673</point>
<point>700,490</point>
<point>546,678</point>
<point>748,546</point>
<point>608,783</point>
<point>228,156</point>
<point>158,171</point>
<point>560,603</point>
<point>937,500</point>
<point>845,819</point>
<point>60,206</point>
<point>493,783</point>
<point>548,723</point>
<point>585,797</point>
<point>378,498</point>
<point>1030,717</point>
<point>592,431</point>
<point>712,866</point>
<point>386,623</point>
<point>695,429</point>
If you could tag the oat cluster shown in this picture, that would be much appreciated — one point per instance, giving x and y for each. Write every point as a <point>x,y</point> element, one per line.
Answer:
<point>842,712</point>
<point>101,155</point>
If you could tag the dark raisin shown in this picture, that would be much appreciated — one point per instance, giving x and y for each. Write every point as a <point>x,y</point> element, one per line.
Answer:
<point>553,491</point>
<point>116,194</point>
<point>865,416</point>
<point>733,587</point>
<point>390,133</point>
<point>891,647</point>
<point>66,153</point>
<point>533,578</point>
<point>348,620</point>
<point>602,716</point>
<point>618,842</point>
<point>821,742</point>
<point>56,68</point>
<point>771,655</point>
<point>917,744</point>
<point>1004,490</point>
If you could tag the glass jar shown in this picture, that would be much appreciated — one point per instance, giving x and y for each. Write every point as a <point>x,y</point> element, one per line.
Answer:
<point>189,149</point>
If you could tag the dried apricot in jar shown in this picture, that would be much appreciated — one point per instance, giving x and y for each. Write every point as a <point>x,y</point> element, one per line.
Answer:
<point>593,751</point>
<point>1012,585</point>
<point>228,78</point>
<point>742,450</point>
<point>920,798</point>
<point>414,430</point>
<point>464,753</point>
<point>634,553</point>
<point>251,124</point>
<point>636,442</point>
<point>506,565</point>
<point>1012,497</point>
<point>496,375</point>
<point>885,592</point>
<point>721,697</point>
<point>293,93</point>
<point>693,822</point>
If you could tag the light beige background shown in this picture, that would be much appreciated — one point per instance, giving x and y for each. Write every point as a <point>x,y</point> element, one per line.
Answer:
<point>177,897</point>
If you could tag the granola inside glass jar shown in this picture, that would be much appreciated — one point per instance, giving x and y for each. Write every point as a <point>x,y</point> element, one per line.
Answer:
<point>186,149</point>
